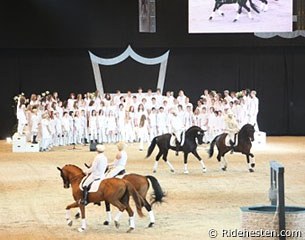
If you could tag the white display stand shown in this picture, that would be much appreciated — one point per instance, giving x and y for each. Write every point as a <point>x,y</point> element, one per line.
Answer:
<point>259,139</point>
<point>19,144</point>
<point>31,147</point>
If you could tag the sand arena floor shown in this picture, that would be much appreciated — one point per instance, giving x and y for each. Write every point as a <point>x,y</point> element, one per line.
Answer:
<point>33,199</point>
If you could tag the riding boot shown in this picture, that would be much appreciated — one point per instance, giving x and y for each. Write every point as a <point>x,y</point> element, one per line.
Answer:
<point>232,144</point>
<point>177,147</point>
<point>34,139</point>
<point>84,201</point>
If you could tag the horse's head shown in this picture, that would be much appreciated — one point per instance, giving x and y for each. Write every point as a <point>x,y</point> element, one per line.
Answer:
<point>198,133</point>
<point>247,131</point>
<point>64,176</point>
<point>68,173</point>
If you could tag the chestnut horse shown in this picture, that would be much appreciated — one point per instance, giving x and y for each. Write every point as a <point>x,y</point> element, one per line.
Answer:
<point>141,184</point>
<point>113,190</point>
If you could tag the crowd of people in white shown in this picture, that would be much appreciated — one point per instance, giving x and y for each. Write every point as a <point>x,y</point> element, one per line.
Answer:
<point>129,117</point>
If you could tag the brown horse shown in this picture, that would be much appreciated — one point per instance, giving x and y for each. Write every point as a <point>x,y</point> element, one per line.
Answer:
<point>141,184</point>
<point>113,190</point>
<point>244,138</point>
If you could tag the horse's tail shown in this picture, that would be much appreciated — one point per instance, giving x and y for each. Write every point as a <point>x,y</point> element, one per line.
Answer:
<point>139,201</point>
<point>253,6</point>
<point>211,149</point>
<point>158,194</point>
<point>151,147</point>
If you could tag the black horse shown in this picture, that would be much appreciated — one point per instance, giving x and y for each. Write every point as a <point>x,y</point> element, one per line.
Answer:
<point>193,136</point>
<point>244,138</point>
<point>241,4</point>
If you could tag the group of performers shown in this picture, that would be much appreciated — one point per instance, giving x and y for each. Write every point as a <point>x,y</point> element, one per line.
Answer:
<point>129,117</point>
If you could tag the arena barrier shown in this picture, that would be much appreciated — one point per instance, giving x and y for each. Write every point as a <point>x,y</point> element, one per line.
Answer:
<point>275,221</point>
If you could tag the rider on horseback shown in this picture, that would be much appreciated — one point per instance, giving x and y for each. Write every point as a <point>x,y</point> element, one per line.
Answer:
<point>231,128</point>
<point>177,129</point>
<point>119,164</point>
<point>95,172</point>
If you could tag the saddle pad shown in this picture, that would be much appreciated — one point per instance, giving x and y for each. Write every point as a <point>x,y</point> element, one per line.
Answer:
<point>94,186</point>
<point>120,176</point>
<point>172,141</point>
<point>227,141</point>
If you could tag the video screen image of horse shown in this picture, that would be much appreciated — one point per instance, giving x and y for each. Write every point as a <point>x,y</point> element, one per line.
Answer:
<point>240,16</point>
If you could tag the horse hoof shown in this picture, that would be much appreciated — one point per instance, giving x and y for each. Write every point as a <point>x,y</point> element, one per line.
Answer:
<point>116,224</point>
<point>235,20</point>
<point>251,170</point>
<point>130,230</point>
<point>252,165</point>
<point>106,223</point>
<point>150,225</point>
<point>69,223</point>
<point>210,18</point>
<point>204,170</point>
<point>186,172</point>
<point>172,170</point>
<point>154,171</point>
<point>77,215</point>
<point>81,229</point>
<point>224,169</point>
<point>222,14</point>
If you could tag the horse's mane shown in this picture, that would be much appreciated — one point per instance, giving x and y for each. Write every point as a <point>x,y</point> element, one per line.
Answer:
<point>192,128</point>
<point>72,165</point>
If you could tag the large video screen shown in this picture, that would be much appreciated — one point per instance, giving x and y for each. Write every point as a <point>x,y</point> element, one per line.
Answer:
<point>240,16</point>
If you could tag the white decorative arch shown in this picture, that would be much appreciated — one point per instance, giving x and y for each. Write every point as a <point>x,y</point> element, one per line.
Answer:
<point>129,52</point>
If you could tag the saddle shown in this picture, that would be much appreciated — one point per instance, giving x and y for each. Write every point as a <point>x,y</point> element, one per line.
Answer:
<point>93,187</point>
<point>121,174</point>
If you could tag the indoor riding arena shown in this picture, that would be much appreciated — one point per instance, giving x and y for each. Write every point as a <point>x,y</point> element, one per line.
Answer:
<point>204,99</point>
<point>33,198</point>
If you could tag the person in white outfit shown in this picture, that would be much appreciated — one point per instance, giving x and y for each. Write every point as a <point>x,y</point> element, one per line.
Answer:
<point>95,172</point>
<point>253,109</point>
<point>231,127</point>
<point>119,164</point>
<point>177,128</point>
<point>35,121</point>
<point>21,115</point>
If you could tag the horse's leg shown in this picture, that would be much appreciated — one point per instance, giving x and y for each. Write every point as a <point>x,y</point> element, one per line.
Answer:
<point>251,162</point>
<point>117,219</point>
<point>264,5</point>
<point>150,213</point>
<point>168,163</point>
<point>204,169</point>
<point>216,8</point>
<point>238,13</point>
<point>132,225</point>
<point>157,161</point>
<point>108,213</point>
<point>186,171</point>
<point>83,221</point>
<point>219,12</point>
<point>248,10</point>
<point>223,163</point>
<point>213,13</point>
<point>121,208</point>
<point>68,213</point>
